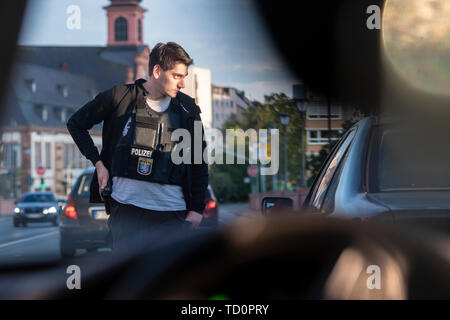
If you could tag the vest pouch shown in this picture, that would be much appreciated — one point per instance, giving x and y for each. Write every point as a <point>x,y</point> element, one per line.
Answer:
<point>146,132</point>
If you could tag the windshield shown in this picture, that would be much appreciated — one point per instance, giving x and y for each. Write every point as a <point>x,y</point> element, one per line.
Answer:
<point>407,160</point>
<point>38,198</point>
<point>83,189</point>
<point>275,88</point>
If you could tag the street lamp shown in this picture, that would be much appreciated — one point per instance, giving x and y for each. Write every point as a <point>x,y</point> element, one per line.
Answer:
<point>284,119</point>
<point>301,103</point>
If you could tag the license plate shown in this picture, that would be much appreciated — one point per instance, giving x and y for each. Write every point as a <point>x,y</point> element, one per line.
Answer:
<point>99,215</point>
<point>34,215</point>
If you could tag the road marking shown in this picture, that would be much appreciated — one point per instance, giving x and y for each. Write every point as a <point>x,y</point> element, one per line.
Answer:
<point>27,239</point>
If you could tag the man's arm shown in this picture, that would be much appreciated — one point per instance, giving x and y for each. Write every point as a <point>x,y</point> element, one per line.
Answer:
<point>92,113</point>
<point>199,179</point>
<point>199,184</point>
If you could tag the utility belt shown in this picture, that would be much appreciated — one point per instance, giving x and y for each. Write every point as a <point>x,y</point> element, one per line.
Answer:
<point>144,150</point>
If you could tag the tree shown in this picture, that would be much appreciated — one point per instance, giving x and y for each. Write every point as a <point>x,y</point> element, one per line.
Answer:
<point>315,162</point>
<point>260,117</point>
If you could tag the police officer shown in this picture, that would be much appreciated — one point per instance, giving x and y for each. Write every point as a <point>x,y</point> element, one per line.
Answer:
<point>145,193</point>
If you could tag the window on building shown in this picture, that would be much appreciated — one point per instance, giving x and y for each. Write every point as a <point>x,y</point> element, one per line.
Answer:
<point>74,156</point>
<point>232,104</point>
<point>41,112</point>
<point>91,93</point>
<point>60,114</point>
<point>37,154</point>
<point>321,112</point>
<point>140,30</point>
<point>71,157</point>
<point>121,29</point>
<point>48,159</point>
<point>66,156</point>
<point>62,90</point>
<point>10,157</point>
<point>320,136</point>
<point>31,85</point>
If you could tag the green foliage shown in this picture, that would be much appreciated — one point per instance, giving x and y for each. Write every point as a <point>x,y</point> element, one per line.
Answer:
<point>227,180</point>
<point>8,181</point>
<point>315,162</point>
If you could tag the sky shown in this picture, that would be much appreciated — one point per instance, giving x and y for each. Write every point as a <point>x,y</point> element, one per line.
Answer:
<point>226,36</point>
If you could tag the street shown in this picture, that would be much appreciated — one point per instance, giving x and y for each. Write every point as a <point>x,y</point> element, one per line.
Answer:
<point>39,242</point>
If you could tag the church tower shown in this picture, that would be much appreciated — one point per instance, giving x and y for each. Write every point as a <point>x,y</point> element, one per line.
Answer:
<point>125,23</point>
<point>126,38</point>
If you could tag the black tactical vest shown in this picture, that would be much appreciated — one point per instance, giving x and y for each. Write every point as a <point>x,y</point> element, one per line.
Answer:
<point>143,152</point>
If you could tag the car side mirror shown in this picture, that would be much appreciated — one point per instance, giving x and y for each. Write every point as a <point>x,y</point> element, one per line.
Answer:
<point>274,204</point>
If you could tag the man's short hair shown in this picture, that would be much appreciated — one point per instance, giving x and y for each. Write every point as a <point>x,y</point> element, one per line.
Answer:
<point>167,55</point>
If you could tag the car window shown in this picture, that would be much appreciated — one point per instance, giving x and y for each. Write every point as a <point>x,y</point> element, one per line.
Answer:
<point>38,198</point>
<point>399,158</point>
<point>328,202</point>
<point>82,189</point>
<point>330,169</point>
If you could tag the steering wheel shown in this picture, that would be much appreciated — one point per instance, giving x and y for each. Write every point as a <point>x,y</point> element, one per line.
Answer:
<point>294,258</point>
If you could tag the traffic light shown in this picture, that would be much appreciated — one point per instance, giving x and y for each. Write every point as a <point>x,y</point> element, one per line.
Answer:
<point>42,184</point>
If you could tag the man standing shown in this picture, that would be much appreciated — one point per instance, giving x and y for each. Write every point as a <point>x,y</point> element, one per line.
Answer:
<point>150,194</point>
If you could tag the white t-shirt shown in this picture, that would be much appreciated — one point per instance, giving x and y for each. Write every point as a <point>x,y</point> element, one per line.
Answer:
<point>159,105</point>
<point>149,195</point>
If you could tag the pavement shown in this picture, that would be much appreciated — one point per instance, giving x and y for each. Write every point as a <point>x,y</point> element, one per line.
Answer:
<point>5,216</point>
<point>232,211</point>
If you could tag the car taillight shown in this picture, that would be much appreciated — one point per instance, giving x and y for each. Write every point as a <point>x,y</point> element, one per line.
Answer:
<point>210,203</point>
<point>69,209</point>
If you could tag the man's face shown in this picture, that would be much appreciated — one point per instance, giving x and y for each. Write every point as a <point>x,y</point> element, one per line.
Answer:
<point>172,80</point>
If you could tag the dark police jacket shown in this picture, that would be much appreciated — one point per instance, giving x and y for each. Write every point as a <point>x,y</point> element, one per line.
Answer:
<point>114,107</point>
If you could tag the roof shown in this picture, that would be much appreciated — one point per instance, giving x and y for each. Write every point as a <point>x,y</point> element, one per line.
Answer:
<point>84,71</point>
<point>106,65</point>
<point>80,87</point>
<point>23,105</point>
<point>122,55</point>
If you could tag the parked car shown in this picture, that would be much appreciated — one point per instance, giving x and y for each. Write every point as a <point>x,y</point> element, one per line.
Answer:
<point>386,170</point>
<point>83,224</point>
<point>61,203</point>
<point>40,206</point>
<point>211,211</point>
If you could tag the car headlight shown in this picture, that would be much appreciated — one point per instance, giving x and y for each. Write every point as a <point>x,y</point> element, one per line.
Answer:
<point>17,210</point>
<point>51,210</point>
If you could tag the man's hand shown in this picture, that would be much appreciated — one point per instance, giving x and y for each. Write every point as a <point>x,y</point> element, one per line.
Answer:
<point>195,218</point>
<point>102,175</point>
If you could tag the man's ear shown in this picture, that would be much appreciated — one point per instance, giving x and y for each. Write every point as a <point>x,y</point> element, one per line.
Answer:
<point>157,71</point>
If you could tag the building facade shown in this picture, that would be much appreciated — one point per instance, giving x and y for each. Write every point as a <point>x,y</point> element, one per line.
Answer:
<point>225,102</point>
<point>198,86</point>
<point>317,122</point>
<point>48,85</point>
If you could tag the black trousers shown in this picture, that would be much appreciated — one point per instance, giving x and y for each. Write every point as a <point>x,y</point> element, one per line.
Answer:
<point>134,229</point>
